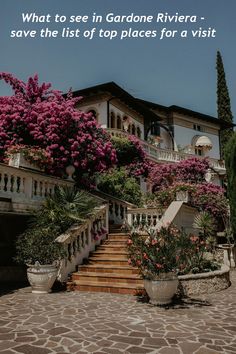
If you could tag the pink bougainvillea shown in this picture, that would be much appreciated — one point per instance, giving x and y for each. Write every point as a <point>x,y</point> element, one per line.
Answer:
<point>38,116</point>
<point>191,170</point>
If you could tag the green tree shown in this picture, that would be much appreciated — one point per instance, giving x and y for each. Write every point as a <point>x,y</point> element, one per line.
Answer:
<point>116,182</point>
<point>230,162</point>
<point>223,102</point>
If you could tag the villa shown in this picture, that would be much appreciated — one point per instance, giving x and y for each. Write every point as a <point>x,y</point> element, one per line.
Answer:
<point>167,134</point>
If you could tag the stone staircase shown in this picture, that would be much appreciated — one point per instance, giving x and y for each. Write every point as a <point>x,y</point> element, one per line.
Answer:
<point>107,269</point>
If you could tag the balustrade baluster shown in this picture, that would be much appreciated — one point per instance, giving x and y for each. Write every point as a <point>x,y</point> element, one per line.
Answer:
<point>38,189</point>
<point>82,239</point>
<point>15,184</point>
<point>43,189</point>
<point>35,187</point>
<point>6,183</point>
<point>1,182</point>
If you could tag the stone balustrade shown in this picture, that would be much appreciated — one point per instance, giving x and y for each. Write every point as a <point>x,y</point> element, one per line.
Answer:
<point>148,216</point>
<point>165,155</point>
<point>80,240</point>
<point>22,190</point>
<point>117,207</point>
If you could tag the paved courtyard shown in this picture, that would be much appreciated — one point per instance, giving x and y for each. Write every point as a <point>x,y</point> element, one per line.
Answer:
<point>76,322</point>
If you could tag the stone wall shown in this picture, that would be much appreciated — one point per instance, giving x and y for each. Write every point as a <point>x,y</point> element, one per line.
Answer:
<point>204,283</point>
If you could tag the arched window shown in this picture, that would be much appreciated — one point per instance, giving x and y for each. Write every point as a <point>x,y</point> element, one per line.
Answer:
<point>93,112</point>
<point>138,132</point>
<point>133,130</point>
<point>118,122</point>
<point>113,122</point>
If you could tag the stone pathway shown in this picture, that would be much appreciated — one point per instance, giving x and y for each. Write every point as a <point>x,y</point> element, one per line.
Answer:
<point>107,323</point>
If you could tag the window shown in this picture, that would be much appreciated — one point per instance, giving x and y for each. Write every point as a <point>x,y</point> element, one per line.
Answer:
<point>93,112</point>
<point>133,130</point>
<point>118,122</point>
<point>113,124</point>
<point>197,127</point>
<point>199,151</point>
<point>139,132</point>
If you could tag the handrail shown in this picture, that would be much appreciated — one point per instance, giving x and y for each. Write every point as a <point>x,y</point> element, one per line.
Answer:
<point>108,197</point>
<point>149,216</point>
<point>80,239</point>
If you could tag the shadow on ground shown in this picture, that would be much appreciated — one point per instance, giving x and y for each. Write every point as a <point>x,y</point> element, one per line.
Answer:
<point>179,303</point>
<point>10,288</point>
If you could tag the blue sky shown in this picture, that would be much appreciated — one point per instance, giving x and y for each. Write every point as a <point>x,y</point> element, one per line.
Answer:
<point>172,71</point>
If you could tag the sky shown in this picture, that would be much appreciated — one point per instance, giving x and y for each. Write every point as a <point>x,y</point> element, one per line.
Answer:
<point>172,71</point>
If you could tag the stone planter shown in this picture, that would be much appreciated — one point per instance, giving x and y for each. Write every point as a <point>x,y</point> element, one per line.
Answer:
<point>41,277</point>
<point>18,160</point>
<point>183,196</point>
<point>161,291</point>
<point>204,283</point>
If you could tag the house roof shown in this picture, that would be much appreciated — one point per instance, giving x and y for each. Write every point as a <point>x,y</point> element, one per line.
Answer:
<point>145,107</point>
<point>119,93</point>
<point>189,112</point>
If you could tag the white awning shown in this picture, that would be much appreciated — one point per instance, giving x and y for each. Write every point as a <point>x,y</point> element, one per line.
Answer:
<point>202,141</point>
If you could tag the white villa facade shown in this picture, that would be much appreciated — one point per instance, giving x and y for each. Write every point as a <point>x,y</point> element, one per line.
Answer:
<point>168,134</point>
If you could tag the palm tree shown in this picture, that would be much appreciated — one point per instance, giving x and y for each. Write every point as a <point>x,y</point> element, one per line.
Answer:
<point>205,223</point>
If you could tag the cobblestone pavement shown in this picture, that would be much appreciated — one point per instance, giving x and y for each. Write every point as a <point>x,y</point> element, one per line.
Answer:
<point>105,323</point>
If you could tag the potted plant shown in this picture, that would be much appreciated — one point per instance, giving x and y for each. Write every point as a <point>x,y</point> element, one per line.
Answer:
<point>158,254</point>
<point>26,156</point>
<point>37,246</point>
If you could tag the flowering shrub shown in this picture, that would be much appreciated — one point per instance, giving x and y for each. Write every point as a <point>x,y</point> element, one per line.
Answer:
<point>204,196</point>
<point>192,170</point>
<point>38,116</point>
<point>128,150</point>
<point>210,197</point>
<point>158,252</point>
<point>166,250</point>
<point>33,154</point>
<point>130,153</point>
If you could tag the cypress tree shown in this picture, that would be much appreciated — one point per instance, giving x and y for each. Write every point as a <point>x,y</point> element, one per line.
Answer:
<point>223,102</point>
<point>230,162</point>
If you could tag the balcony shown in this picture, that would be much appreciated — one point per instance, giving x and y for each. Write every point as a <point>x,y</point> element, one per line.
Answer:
<point>164,155</point>
<point>23,190</point>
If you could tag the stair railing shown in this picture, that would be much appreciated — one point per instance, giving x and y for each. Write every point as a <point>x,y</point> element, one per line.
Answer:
<point>80,240</point>
<point>144,216</point>
<point>117,207</point>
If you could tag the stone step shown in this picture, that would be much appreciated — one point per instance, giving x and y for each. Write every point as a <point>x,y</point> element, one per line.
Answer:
<point>119,288</point>
<point>117,238</point>
<point>108,269</point>
<point>109,252</point>
<point>108,261</point>
<point>114,243</point>
<point>116,234</point>
<point>109,278</point>
<point>113,227</point>
<point>112,248</point>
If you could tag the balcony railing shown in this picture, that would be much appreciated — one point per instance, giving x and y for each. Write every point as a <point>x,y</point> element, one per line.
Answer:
<point>22,190</point>
<point>166,155</point>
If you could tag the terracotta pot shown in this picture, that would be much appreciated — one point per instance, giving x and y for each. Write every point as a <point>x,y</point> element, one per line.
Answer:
<point>161,291</point>
<point>41,277</point>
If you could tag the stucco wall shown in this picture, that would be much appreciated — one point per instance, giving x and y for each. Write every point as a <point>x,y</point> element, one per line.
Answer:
<point>184,136</point>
